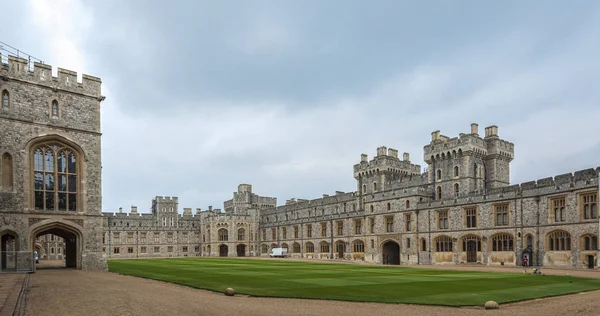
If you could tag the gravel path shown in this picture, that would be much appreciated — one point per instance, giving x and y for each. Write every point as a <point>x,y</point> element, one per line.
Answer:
<point>72,292</point>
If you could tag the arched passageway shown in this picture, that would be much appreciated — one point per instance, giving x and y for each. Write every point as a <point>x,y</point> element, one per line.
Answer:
<point>9,250</point>
<point>241,250</point>
<point>71,253</point>
<point>391,252</point>
<point>223,251</point>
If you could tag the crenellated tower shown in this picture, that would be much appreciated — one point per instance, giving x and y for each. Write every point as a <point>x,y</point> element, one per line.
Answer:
<point>372,176</point>
<point>468,163</point>
<point>165,208</point>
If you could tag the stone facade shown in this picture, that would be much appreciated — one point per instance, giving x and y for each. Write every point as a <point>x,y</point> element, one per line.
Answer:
<point>462,209</point>
<point>166,233</point>
<point>51,162</point>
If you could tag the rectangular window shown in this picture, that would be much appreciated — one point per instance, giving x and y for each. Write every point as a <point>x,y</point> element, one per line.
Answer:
<point>170,249</point>
<point>372,224</point>
<point>143,249</point>
<point>273,234</point>
<point>143,238</point>
<point>389,224</point>
<point>169,237</point>
<point>296,231</point>
<point>340,228</point>
<point>129,249</point>
<point>116,250</point>
<point>197,249</point>
<point>103,238</point>
<point>407,242</point>
<point>156,249</point>
<point>185,238</point>
<point>407,222</point>
<point>501,215</point>
<point>358,226</point>
<point>443,220</point>
<point>284,232</point>
<point>264,234</point>
<point>309,230</point>
<point>117,238</point>
<point>471,217</point>
<point>589,205</point>
<point>129,238</point>
<point>184,249</point>
<point>323,229</point>
<point>559,210</point>
<point>156,237</point>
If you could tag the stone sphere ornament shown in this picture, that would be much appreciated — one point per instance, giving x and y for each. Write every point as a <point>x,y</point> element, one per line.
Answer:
<point>229,292</point>
<point>491,305</point>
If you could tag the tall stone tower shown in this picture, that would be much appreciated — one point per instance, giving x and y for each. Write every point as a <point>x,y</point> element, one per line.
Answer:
<point>51,167</point>
<point>468,163</point>
<point>372,176</point>
<point>165,208</point>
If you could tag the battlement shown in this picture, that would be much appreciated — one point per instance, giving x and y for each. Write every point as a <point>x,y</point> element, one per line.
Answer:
<point>166,199</point>
<point>443,147</point>
<point>386,160</point>
<point>17,68</point>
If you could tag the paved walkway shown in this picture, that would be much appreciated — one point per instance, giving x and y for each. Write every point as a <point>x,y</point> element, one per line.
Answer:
<point>108,294</point>
<point>10,287</point>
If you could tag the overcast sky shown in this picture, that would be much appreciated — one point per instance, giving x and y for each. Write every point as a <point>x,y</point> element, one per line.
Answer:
<point>286,95</point>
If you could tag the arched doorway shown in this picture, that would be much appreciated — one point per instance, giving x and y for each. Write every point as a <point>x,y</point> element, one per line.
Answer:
<point>391,252</point>
<point>72,243</point>
<point>241,250</point>
<point>223,251</point>
<point>340,249</point>
<point>8,250</point>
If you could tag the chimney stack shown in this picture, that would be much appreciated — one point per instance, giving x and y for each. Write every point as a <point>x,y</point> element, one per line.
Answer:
<point>364,158</point>
<point>475,129</point>
<point>406,157</point>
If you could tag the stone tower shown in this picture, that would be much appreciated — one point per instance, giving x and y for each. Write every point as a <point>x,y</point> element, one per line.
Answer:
<point>468,163</point>
<point>50,145</point>
<point>373,176</point>
<point>165,208</point>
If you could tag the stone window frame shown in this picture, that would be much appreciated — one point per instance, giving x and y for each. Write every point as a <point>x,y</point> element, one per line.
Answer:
<point>559,240</point>
<point>374,186</point>
<point>57,145</point>
<point>116,250</point>
<point>170,249</point>
<point>3,106</point>
<point>309,247</point>
<point>407,204</point>
<point>372,224</point>
<point>273,234</point>
<point>456,190</point>
<point>296,232</point>
<point>423,244</point>
<point>7,178</point>
<point>358,226</point>
<point>296,248</point>
<point>358,246</point>
<point>156,249</point>
<point>309,230</point>
<point>264,234</point>
<point>284,232</point>
<point>502,242</point>
<point>340,228</point>
<point>389,224</point>
<point>129,250</point>
<point>408,222</point>
<point>590,199</point>
<point>555,202</point>
<point>468,237</point>
<point>143,249</point>
<point>470,212</point>
<point>590,240</point>
<point>438,192</point>
<point>324,247</point>
<point>441,215</point>
<point>241,234</point>
<point>443,243</point>
<point>505,221</point>
<point>456,171</point>
<point>223,234</point>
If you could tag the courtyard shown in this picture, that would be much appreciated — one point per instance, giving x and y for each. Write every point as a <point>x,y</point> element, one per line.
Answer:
<point>99,293</point>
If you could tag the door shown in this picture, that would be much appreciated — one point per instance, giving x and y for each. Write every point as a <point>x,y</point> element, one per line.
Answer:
<point>590,260</point>
<point>223,251</point>
<point>241,250</point>
<point>472,251</point>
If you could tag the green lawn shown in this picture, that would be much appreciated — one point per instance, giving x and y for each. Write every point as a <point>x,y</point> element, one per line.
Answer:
<point>349,282</point>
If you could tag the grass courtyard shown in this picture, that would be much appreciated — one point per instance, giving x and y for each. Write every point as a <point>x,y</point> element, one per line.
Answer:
<point>349,282</point>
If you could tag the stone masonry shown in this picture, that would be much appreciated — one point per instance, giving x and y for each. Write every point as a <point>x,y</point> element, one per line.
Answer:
<point>51,163</point>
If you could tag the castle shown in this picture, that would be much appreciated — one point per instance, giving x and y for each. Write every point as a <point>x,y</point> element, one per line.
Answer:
<point>462,210</point>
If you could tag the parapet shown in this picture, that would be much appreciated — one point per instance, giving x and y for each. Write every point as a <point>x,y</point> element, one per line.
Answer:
<point>41,74</point>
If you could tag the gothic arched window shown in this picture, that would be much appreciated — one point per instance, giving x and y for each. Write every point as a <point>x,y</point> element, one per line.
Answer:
<point>55,173</point>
